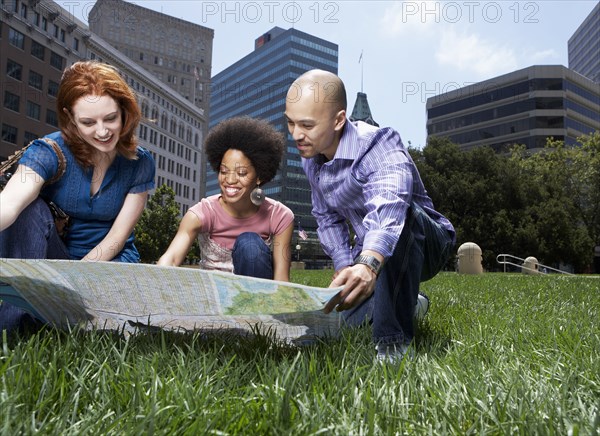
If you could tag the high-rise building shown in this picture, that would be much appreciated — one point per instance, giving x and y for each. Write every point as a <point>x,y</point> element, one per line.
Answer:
<point>38,40</point>
<point>522,107</point>
<point>176,51</point>
<point>584,46</point>
<point>256,86</point>
<point>172,128</point>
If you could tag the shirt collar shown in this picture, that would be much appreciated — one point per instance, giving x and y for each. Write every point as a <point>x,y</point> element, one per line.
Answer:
<point>349,145</point>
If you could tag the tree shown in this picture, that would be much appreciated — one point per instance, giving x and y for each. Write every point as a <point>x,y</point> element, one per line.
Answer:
<point>193,256</point>
<point>584,183</point>
<point>563,199</point>
<point>157,225</point>
<point>475,190</point>
<point>545,204</point>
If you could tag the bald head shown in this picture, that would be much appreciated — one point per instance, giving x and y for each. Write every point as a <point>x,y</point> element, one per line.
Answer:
<point>322,87</point>
<point>315,109</point>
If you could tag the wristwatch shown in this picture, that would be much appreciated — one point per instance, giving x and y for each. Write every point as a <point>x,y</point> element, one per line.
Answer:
<point>370,261</point>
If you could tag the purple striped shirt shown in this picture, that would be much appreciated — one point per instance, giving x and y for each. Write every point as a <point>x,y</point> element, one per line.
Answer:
<point>371,181</point>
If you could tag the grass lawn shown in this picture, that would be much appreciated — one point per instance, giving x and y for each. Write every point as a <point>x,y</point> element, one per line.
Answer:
<point>497,354</point>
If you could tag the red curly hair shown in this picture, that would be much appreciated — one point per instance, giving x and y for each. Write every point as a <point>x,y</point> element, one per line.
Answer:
<point>96,78</point>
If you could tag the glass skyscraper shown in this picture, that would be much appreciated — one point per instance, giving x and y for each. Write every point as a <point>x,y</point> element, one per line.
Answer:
<point>256,86</point>
<point>584,46</point>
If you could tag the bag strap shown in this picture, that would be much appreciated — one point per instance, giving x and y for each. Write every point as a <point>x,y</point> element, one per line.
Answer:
<point>62,161</point>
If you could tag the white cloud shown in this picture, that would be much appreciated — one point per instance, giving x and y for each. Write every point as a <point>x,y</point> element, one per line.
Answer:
<point>409,18</point>
<point>544,57</point>
<point>471,53</point>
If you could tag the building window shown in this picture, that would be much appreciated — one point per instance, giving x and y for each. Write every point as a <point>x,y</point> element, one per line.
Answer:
<point>23,11</point>
<point>35,80</point>
<point>16,38</point>
<point>56,30</point>
<point>44,24</point>
<point>14,69</point>
<point>38,50</point>
<point>57,61</point>
<point>75,44</point>
<point>51,118</point>
<point>11,101</point>
<point>52,88</point>
<point>33,110</point>
<point>28,137</point>
<point>9,133</point>
<point>62,35</point>
<point>36,19</point>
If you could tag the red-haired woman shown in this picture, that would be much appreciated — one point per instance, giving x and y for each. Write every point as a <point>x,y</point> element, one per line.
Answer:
<point>105,183</point>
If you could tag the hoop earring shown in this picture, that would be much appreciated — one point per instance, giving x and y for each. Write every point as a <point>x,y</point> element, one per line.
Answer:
<point>257,196</point>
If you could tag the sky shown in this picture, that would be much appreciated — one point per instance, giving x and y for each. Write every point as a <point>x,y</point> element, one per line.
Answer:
<point>411,50</point>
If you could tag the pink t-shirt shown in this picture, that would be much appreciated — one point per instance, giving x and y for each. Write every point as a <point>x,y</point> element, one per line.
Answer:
<point>220,228</point>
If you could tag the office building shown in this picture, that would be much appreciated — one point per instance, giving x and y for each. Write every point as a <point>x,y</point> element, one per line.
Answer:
<point>584,47</point>
<point>176,51</point>
<point>522,107</point>
<point>38,40</point>
<point>256,86</point>
<point>172,127</point>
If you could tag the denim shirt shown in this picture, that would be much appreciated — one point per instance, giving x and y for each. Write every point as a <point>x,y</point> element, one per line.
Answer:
<point>91,216</point>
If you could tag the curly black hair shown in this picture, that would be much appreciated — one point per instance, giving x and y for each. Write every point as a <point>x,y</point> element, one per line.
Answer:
<point>257,139</point>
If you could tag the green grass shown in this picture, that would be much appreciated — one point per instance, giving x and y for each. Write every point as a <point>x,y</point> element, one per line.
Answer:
<point>497,354</point>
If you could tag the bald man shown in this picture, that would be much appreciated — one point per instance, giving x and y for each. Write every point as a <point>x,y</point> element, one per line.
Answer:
<point>365,176</point>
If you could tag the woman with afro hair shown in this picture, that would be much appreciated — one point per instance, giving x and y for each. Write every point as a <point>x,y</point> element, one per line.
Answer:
<point>240,230</point>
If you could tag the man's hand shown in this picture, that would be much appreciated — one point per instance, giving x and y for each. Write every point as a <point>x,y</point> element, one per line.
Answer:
<point>358,282</point>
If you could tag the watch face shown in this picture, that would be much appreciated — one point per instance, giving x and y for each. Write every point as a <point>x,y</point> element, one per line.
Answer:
<point>370,261</point>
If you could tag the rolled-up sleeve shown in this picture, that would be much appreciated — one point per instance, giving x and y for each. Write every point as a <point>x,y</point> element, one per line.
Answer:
<point>41,158</point>
<point>144,173</point>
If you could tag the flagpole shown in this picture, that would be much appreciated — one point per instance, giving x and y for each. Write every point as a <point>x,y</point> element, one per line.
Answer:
<point>362,69</point>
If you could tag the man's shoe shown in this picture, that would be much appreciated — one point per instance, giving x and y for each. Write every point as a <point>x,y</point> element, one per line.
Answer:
<point>422,306</point>
<point>392,353</point>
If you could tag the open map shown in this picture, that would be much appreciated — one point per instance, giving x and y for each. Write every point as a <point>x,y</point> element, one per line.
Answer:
<point>112,295</point>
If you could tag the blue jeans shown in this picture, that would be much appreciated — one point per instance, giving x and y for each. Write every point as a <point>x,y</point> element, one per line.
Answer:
<point>252,257</point>
<point>32,236</point>
<point>422,251</point>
